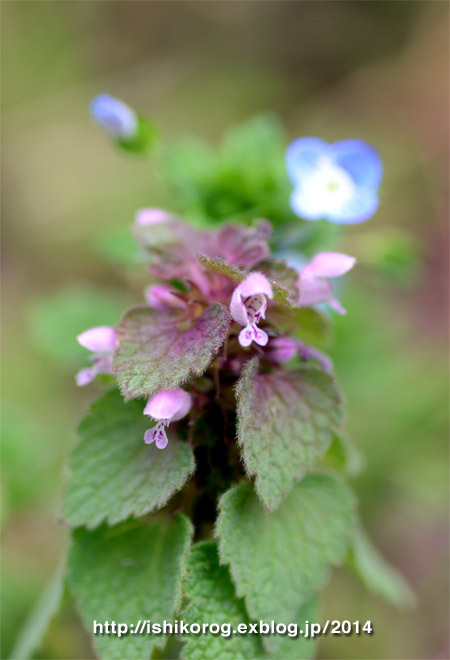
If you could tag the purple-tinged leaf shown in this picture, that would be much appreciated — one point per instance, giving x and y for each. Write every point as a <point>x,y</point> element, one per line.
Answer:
<point>158,353</point>
<point>244,246</point>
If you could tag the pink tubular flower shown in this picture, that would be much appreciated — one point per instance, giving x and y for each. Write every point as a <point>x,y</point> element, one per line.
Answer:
<point>313,283</point>
<point>102,341</point>
<point>248,305</point>
<point>165,407</point>
<point>146,217</point>
<point>281,350</point>
<point>160,296</point>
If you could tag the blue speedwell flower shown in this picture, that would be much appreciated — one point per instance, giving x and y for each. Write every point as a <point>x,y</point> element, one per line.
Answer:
<point>114,116</point>
<point>336,182</point>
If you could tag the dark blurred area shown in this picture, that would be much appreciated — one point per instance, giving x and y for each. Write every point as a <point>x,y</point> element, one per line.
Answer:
<point>373,70</point>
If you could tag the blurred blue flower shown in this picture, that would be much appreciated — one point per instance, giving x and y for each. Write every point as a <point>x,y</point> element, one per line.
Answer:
<point>337,182</point>
<point>114,116</point>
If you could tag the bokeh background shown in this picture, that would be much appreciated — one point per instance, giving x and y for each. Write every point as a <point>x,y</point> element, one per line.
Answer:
<point>374,70</point>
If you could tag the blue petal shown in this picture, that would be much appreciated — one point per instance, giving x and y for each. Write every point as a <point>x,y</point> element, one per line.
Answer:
<point>359,209</point>
<point>302,156</point>
<point>360,160</point>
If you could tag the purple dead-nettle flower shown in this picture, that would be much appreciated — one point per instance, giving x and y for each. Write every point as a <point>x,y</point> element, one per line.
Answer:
<point>314,284</point>
<point>162,297</point>
<point>102,341</point>
<point>337,182</point>
<point>165,407</point>
<point>114,116</point>
<point>310,353</point>
<point>248,306</point>
<point>281,350</point>
<point>151,216</point>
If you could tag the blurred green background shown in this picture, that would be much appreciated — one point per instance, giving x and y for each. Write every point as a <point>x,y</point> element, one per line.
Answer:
<point>374,70</point>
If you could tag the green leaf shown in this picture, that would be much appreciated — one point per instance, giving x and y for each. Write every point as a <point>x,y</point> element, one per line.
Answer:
<point>285,423</point>
<point>129,573</point>
<point>277,559</point>
<point>40,616</point>
<point>280,294</point>
<point>344,456</point>
<point>246,179</point>
<point>299,648</point>
<point>57,319</point>
<point>311,326</point>
<point>304,323</point>
<point>377,575</point>
<point>156,354</point>
<point>213,600</point>
<point>114,474</point>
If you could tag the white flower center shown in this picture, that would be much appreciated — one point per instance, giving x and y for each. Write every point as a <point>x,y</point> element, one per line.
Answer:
<point>329,187</point>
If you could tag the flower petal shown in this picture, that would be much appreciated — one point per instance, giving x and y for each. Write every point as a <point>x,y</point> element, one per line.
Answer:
<point>237,308</point>
<point>281,349</point>
<point>168,404</point>
<point>360,160</point>
<point>313,290</point>
<point>254,284</point>
<point>252,333</point>
<point>330,264</point>
<point>305,205</point>
<point>85,376</point>
<point>146,217</point>
<point>336,305</point>
<point>260,337</point>
<point>161,439</point>
<point>99,339</point>
<point>359,208</point>
<point>302,156</point>
<point>149,436</point>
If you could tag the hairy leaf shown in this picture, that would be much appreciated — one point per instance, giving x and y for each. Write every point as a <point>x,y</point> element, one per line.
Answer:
<point>301,647</point>
<point>157,354</point>
<point>129,573</point>
<point>244,246</point>
<point>277,559</point>
<point>223,267</point>
<point>114,474</point>
<point>213,600</point>
<point>285,423</point>
<point>377,575</point>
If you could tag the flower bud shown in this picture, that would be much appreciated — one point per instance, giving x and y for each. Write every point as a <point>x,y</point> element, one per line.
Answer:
<point>114,116</point>
<point>281,349</point>
<point>160,296</point>
<point>146,217</point>
<point>99,339</point>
